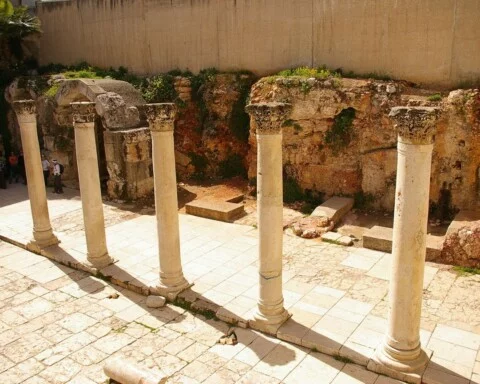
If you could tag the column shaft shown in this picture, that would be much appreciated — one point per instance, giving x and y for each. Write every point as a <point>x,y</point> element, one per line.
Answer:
<point>268,118</point>
<point>89,179</point>
<point>409,245</point>
<point>166,206</point>
<point>270,223</point>
<point>161,119</point>
<point>42,229</point>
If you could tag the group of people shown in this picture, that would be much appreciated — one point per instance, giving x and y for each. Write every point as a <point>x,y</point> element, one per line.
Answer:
<point>13,167</point>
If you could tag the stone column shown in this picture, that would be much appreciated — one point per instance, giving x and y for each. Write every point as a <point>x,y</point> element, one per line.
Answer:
<point>401,355</point>
<point>269,118</point>
<point>42,229</point>
<point>89,179</point>
<point>161,121</point>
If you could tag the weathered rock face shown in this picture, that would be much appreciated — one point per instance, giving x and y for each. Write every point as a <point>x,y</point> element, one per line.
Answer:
<point>211,134</point>
<point>462,247</point>
<point>340,140</point>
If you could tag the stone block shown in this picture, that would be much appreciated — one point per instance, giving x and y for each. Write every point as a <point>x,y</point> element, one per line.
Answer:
<point>334,208</point>
<point>155,301</point>
<point>337,238</point>
<point>215,209</point>
<point>380,239</point>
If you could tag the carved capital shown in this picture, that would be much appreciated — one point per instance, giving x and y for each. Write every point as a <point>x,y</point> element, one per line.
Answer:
<point>25,110</point>
<point>415,125</point>
<point>83,113</point>
<point>161,117</point>
<point>269,117</point>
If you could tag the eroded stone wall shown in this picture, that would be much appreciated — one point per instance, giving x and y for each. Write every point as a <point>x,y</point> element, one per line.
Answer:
<point>327,149</point>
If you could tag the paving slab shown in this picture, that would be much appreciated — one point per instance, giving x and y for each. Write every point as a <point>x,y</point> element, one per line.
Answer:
<point>215,209</point>
<point>380,239</point>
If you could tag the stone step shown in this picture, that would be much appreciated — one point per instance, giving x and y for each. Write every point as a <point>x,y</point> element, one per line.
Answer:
<point>215,209</point>
<point>334,208</point>
<point>236,199</point>
<point>380,239</point>
<point>337,238</point>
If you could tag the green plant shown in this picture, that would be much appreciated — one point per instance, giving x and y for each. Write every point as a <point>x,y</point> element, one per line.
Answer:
<point>291,190</point>
<point>232,166</point>
<point>160,89</point>
<point>52,90</point>
<point>239,119</point>
<point>434,97</point>
<point>340,134</point>
<point>317,73</point>
<point>343,359</point>
<point>465,271</point>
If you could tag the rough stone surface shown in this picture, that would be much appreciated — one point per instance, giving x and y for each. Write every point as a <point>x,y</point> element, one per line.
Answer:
<point>462,246</point>
<point>334,208</point>
<point>115,113</point>
<point>312,227</point>
<point>155,301</point>
<point>214,209</point>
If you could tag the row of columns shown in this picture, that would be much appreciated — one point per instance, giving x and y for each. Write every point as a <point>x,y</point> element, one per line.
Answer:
<point>400,354</point>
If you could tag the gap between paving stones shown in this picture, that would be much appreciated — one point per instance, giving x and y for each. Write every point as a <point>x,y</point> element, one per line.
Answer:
<point>195,303</point>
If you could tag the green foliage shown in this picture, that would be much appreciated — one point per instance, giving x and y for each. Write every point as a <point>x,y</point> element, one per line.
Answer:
<point>435,97</point>
<point>232,166</point>
<point>343,359</point>
<point>371,75</point>
<point>239,119</point>
<point>317,73</point>
<point>82,74</point>
<point>160,89</point>
<point>465,271</point>
<point>340,134</point>
<point>291,190</point>
<point>18,23</point>
<point>52,90</point>
<point>363,200</point>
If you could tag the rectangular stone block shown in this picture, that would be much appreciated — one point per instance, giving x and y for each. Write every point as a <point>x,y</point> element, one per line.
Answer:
<point>334,208</point>
<point>215,209</point>
<point>380,239</point>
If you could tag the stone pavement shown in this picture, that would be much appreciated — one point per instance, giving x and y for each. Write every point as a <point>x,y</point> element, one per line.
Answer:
<point>62,326</point>
<point>337,295</point>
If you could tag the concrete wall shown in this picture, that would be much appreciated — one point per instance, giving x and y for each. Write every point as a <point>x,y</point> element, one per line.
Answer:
<point>426,41</point>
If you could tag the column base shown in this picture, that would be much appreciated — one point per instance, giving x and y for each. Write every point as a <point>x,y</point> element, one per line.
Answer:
<point>100,262</point>
<point>268,323</point>
<point>171,291</point>
<point>408,370</point>
<point>36,245</point>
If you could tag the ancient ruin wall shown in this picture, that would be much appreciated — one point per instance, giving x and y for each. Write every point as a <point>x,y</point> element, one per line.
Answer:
<point>339,139</point>
<point>428,41</point>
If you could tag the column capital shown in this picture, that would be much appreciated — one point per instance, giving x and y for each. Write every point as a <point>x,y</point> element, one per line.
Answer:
<point>25,110</point>
<point>83,112</point>
<point>161,116</point>
<point>269,117</point>
<point>415,125</point>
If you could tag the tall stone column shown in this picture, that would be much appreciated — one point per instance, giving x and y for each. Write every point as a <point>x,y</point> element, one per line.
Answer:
<point>161,119</point>
<point>269,118</point>
<point>89,178</point>
<point>401,355</point>
<point>42,229</point>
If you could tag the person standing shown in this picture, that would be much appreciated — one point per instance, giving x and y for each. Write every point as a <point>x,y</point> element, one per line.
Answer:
<point>3,167</point>
<point>13,163</point>
<point>57,177</point>
<point>46,169</point>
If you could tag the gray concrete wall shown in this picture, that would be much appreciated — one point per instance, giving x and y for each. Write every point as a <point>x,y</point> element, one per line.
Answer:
<point>426,41</point>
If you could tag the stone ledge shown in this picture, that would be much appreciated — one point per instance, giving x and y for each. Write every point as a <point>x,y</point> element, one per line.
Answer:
<point>380,239</point>
<point>215,209</point>
<point>334,208</point>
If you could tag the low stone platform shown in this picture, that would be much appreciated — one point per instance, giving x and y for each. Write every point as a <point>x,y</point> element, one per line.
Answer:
<point>215,209</point>
<point>380,239</point>
<point>462,219</point>
<point>334,208</point>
